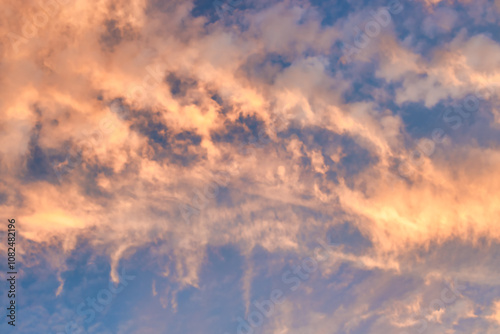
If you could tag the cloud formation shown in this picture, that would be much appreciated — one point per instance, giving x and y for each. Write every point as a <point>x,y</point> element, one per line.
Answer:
<point>138,131</point>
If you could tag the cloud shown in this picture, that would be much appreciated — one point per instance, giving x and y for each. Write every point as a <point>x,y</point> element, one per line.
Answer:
<point>495,316</point>
<point>140,126</point>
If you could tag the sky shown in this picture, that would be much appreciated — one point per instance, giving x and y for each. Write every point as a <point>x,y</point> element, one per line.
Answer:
<point>241,167</point>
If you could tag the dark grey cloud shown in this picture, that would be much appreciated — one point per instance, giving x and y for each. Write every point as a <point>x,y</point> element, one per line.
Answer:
<point>38,166</point>
<point>179,86</point>
<point>174,145</point>
<point>246,130</point>
<point>115,34</point>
